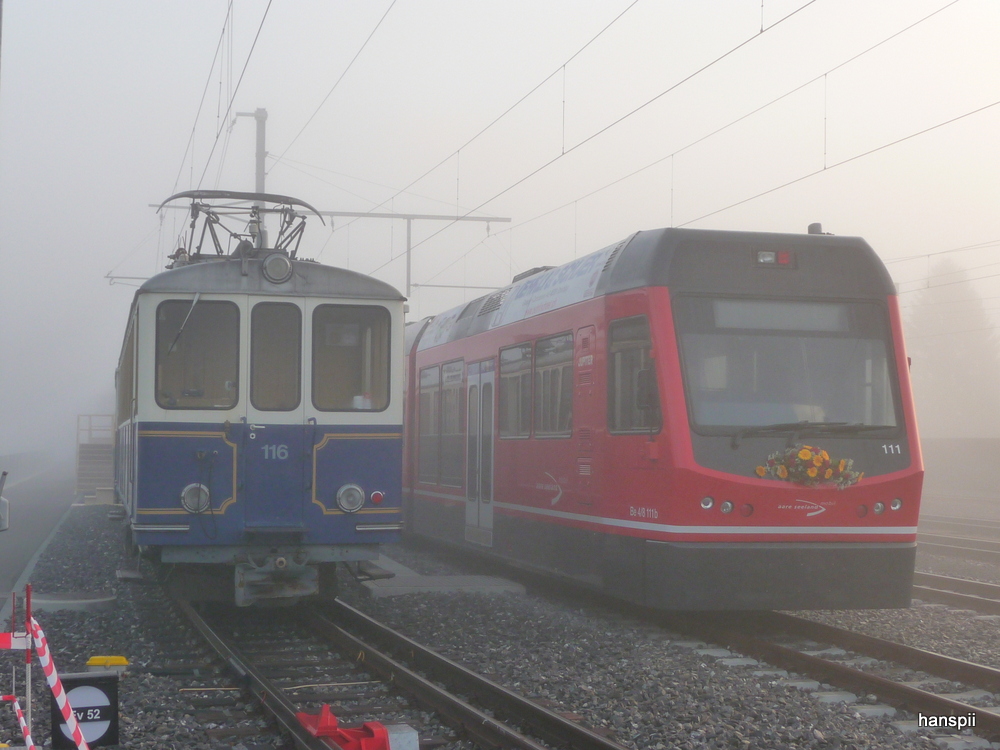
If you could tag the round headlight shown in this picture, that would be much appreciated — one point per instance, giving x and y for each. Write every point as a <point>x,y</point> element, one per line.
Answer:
<point>879,507</point>
<point>196,498</point>
<point>277,268</point>
<point>896,504</point>
<point>746,510</point>
<point>707,502</point>
<point>350,498</point>
<point>726,507</point>
<point>862,510</point>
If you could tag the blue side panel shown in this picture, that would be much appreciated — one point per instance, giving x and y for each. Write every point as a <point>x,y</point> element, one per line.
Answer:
<point>266,478</point>
<point>371,458</point>
<point>172,456</point>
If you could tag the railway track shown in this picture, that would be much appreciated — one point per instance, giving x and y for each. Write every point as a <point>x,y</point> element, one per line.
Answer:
<point>966,548</point>
<point>313,658</point>
<point>864,665</point>
<point>962,527</point>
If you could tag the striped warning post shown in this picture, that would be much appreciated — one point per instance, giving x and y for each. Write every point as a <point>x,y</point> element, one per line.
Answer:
<point>56,686</point>
<point>29,744</point>
<point>15,641</point>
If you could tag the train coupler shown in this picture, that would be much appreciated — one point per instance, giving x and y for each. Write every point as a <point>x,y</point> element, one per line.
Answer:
<point>371,735</point>
<point>276,577</point>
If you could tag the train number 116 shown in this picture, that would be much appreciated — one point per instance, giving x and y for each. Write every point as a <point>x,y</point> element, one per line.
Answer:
<point>279,452</point>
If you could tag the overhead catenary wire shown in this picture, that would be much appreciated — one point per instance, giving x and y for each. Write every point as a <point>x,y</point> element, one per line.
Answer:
<point>614,123</point>
<point>337,83</point>
<point>208,81</point>
<point>507,111</point>
<point>236,89</point>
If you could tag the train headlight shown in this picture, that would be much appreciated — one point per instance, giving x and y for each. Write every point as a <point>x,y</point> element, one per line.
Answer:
<point>350,498</point>
<point>196,498</point>
<point>879,508</point>
<point>726,507</point>
<point>277,268</point>
<point>896,504</point>
<point>707,502</point>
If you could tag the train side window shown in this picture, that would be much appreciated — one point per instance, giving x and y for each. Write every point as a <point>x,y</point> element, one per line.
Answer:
<point>633,398</point>
<point>554,386</point>
<point>275,356</point>
<point>350,351</point>
<point>429,436</point>
<point>452,435</point>
<point>126,386</point>
<point>514,416</point>
<point>197,354</point>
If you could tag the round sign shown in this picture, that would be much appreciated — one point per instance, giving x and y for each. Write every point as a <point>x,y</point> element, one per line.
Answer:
<point>93,712</point>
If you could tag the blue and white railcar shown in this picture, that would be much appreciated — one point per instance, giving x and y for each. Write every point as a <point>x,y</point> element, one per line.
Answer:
<point>260,410</point>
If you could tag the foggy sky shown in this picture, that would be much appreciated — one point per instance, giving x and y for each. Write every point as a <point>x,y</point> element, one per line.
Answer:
<point>98,100</point>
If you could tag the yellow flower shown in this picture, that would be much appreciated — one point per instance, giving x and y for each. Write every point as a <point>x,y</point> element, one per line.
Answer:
<point>783,472</point>
<point>843,463</point>
<point>805,454</point>
<point>812,471</point>
<point>817,460</point>
<point>825,455</point>
<point>828,474</point>
<point>761,471</point>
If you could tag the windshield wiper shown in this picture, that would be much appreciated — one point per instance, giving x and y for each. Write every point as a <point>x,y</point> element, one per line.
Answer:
<point>794,428</point>
<point>180,330</point>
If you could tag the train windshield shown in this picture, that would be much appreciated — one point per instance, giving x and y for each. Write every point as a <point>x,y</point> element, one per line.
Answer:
<point>350,358</point>
<point>197,354</point>
<point>750,363</point>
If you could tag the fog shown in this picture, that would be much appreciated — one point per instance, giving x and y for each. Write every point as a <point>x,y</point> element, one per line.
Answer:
<point>876,119</point>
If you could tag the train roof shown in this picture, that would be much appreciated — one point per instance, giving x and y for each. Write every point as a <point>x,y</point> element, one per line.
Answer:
<point>235,275</point>
<point>686,260</point>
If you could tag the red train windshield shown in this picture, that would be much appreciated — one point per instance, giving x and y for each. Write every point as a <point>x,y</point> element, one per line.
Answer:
<point>764,362</point>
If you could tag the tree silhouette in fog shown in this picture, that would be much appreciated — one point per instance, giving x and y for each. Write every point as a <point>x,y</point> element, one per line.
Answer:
<point>953,343</point>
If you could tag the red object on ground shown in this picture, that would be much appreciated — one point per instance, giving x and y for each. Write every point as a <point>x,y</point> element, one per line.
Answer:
<point>369,736</point>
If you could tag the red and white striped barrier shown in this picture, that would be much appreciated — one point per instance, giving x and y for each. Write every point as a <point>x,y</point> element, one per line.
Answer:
<point>15,641</point>
<point>56,686</point>
<point>28,742</point>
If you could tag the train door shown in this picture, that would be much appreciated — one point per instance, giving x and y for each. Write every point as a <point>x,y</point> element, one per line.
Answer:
<point>273,441</point>
<point>479,479</point>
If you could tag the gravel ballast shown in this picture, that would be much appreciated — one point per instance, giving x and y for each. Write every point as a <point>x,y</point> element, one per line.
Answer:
<point>639,682</point>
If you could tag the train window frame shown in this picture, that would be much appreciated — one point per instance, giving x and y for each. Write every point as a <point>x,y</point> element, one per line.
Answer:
<point>386,354</point>
<point>451,388</point>
<point>613,379</point>
<point>191,305</point>
<point>540,404</point>
<point>429,385</point>
<point>525,415</point>
<point>252,364</point>
<point>887,341</point>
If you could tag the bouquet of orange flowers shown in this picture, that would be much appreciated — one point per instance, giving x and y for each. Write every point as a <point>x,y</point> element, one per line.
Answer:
<point>809,466</point>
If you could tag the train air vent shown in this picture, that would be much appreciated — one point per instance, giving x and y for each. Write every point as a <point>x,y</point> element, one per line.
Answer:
<point>493,302</point>
<point>614,254</point>
<point>584,433</point>
<point>586,378</point>
<point>584,468</point>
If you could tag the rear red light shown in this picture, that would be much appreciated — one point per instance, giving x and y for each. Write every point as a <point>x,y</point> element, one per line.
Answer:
<point>862,511</point>
<point>377,497</point>
<point>746,510</point>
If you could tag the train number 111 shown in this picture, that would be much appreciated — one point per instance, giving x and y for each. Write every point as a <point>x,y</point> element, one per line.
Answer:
<point>892,448</point>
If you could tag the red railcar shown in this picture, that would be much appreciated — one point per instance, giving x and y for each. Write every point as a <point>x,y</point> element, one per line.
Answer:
<point>687,419</point>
